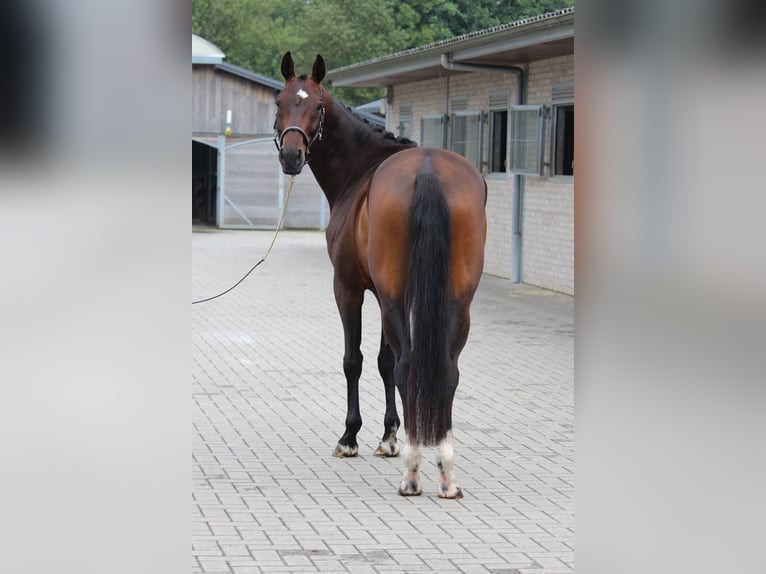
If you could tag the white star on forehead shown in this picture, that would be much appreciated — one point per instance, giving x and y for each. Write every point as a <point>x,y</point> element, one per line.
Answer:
<point>303,95</point>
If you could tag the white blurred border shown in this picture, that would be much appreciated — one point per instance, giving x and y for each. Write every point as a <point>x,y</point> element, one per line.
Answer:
<point>670,314</point>
<point>94,302</point>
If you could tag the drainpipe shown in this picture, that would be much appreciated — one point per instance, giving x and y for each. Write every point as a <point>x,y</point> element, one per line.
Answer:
<point>518,181</point>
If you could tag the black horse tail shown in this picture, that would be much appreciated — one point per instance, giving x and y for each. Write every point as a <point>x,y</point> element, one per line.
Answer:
<point>425,303</point>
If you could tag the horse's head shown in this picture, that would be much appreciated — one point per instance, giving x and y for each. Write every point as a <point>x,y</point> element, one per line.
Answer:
<point>300,115</point>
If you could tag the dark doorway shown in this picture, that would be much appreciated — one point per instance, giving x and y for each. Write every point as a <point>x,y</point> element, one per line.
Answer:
<point>564,140</point>
<point>204,183</point>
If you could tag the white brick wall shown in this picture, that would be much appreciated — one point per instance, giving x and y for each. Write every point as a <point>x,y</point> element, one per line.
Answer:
<point>497,253</point>
<point>548,226</point>
<point>548,235</point>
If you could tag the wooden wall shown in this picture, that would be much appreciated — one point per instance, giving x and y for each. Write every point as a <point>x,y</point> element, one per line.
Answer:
<point>215,91</point>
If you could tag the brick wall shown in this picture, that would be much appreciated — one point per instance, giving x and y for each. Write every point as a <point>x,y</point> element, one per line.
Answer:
<point>497,252</point>
<point>548,226</point>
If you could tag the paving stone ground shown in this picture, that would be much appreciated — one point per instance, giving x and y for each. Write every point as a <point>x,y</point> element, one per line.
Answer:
<point>269,404</point>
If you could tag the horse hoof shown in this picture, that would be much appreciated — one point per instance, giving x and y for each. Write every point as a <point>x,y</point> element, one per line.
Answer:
<point>343,451</point>
<point>410,488</point>
<point>453,493</point>
<point>387,449</point>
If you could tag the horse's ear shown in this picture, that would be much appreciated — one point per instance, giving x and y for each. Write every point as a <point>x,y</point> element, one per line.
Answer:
<point>288,68</point>
<point>317,72</point>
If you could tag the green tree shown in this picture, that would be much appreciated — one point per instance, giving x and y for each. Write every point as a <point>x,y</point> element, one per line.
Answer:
<point>255,34</point>
<point>345,32</point>
<point>430,20</point>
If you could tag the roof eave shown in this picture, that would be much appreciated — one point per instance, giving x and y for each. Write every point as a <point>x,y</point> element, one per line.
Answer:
<point>212,60</point>
<point>375,73</point>
<point>249,75</point>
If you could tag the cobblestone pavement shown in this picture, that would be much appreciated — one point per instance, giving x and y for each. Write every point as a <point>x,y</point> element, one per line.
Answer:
<point>269,404</point>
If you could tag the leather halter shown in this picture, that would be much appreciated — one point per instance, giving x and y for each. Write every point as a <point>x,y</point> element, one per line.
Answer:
<point>280,136</point>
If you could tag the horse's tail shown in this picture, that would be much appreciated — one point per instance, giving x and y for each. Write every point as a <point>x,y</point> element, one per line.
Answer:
<point>425,303</point>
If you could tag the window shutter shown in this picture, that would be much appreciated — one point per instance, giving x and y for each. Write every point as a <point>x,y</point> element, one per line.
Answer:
<point>405,112</point>
<point>459,104</point>
<point>562,93</point>
<point>498,100</point>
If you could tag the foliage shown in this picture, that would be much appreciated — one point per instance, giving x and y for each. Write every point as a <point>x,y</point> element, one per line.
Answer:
<point>255,34</point>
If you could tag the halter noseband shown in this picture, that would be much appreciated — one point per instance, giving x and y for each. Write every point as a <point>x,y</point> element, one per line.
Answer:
<point>279,136</point>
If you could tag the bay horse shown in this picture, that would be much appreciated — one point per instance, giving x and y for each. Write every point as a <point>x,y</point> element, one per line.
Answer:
<point>409,225</point>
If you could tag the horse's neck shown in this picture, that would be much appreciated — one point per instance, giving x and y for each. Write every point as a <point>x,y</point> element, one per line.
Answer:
<point>348,154</point>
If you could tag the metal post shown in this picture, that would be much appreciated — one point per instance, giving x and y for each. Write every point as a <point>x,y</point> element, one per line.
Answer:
<point>516,222</point>
<point>221,192</point>
<point>517,198</point>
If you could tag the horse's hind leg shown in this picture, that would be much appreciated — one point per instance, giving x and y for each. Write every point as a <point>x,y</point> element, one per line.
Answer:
<point>388,444</point>
<point>445,460</point>
<point>411,484</point>
<point>445,453</point>
<point>396,335</point>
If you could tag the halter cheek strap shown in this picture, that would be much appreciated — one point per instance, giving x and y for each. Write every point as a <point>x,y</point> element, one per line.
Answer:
<point>279,136</point>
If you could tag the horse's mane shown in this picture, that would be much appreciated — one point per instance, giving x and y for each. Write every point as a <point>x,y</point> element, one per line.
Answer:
<point>379,130</point>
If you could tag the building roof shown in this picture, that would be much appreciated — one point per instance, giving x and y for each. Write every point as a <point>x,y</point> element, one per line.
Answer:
<point>204,52</point>
<point>375,107</point>
<point>248,75</point>
<point>545,36</point>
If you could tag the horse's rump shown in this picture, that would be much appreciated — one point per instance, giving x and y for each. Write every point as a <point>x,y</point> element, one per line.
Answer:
<point>389,206</point>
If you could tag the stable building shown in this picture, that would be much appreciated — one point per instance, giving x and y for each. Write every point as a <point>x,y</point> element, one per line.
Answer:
<point>503,98</point>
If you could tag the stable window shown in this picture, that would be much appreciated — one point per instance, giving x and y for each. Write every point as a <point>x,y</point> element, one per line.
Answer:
<point>498,131</point>
<point>562,128</point>
<point>433,131</point>
<point>465,135</point>
<point>527,140</point>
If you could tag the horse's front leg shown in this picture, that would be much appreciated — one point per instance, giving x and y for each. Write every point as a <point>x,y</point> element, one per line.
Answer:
<point>351,317</point>
<point>388,446</point>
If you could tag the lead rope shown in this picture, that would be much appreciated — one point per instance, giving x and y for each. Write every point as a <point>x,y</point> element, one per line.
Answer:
<point>265,255</point>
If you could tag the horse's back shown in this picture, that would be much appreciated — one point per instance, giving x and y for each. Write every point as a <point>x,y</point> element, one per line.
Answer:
<point>390,200</point>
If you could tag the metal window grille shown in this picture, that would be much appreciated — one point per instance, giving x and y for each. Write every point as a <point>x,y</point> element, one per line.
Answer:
<point>433,131</point>
<point>527,140</point>
<point>465,135</point>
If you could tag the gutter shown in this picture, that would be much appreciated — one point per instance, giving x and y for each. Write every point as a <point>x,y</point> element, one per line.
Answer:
<point>518,181</point>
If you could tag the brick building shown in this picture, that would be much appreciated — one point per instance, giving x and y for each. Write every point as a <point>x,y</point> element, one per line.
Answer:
<point>504,98</point>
